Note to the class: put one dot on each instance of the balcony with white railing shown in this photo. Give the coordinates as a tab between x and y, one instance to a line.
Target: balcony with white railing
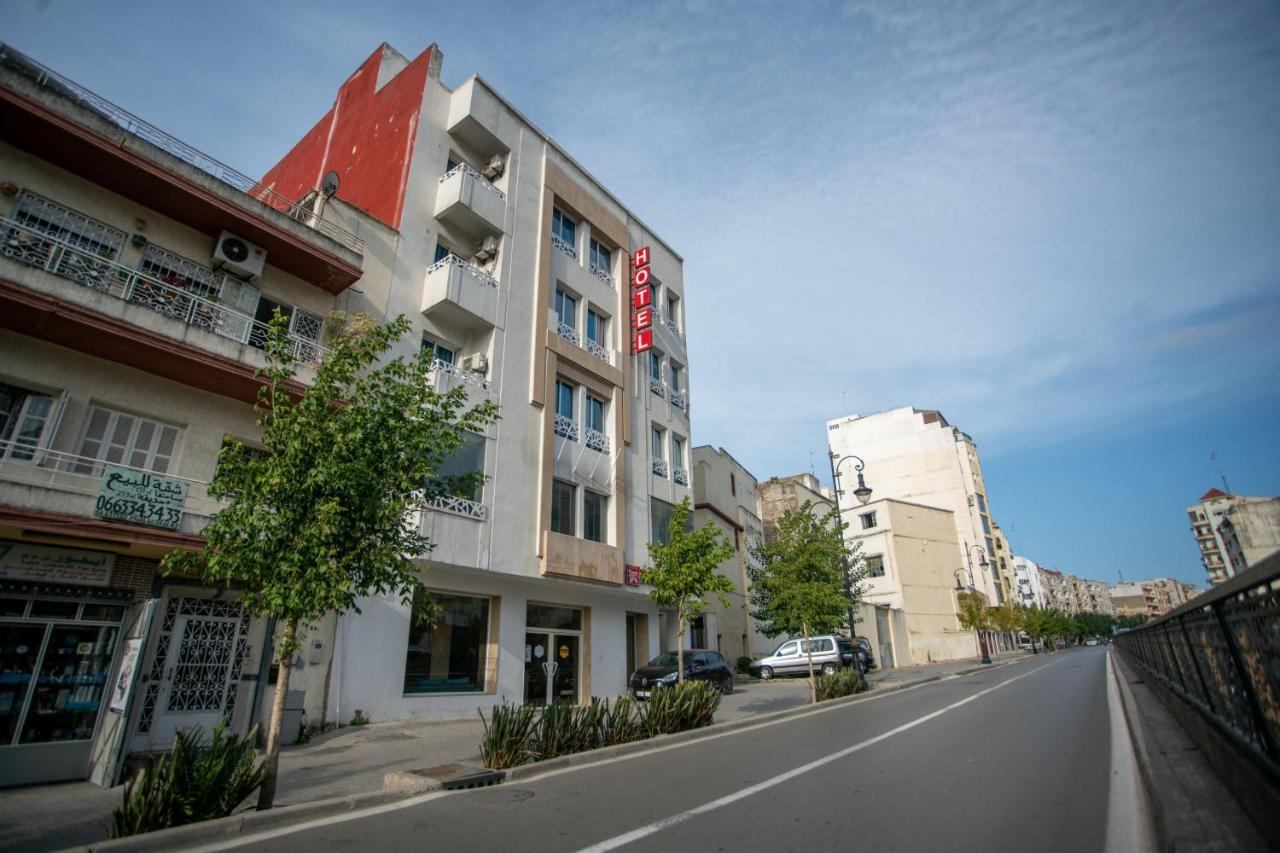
124	293
566	427
598	349
460	294
53	481
569	333
573	336
660	467
596	440
458	506
657	387
119	166
457	527
468	201
603	274
680	476
563	245
680	399
444	377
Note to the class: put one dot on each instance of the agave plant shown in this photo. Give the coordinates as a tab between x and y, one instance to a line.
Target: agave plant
508	736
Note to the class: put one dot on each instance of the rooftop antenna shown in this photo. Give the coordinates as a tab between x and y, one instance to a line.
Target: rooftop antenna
1213	457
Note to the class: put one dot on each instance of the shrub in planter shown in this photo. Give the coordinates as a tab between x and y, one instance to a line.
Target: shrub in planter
199	780
845	682
508	736
622	722
743	665
683	706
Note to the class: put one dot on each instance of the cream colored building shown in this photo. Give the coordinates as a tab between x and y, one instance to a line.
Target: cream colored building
1151	598
724	493
916	455
910	556
779	494
1250	532
136	276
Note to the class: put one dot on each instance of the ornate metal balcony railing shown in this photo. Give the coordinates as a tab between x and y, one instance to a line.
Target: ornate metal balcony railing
51	462
464	169
444	368
54	81
596	440
656	386
28	246
680	476
597	349
457	506
480	276
563	245
602	274
680	399
1220	653
672	325
660	467
569	333
566	428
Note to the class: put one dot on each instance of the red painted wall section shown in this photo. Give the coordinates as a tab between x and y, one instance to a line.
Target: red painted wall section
367	138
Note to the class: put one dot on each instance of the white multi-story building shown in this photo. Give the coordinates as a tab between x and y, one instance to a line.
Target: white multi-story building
1027	578
132	309
1234	531
514	263
915	455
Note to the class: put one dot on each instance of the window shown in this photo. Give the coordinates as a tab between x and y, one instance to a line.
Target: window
660	513
982	503
246	452
657	449
597	327
868	520
553	617
566	309
25	418
673	305
675	378
461	474
564	227
595	414
817	646
875	566
788	648
677	452
566	427
600	257
437	350
450	164
47	217
593	515
562	501
733	490
180	273
442	251
118	438
448	654
698	637
986	525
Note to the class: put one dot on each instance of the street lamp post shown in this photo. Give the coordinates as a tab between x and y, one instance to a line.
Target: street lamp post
863	494
983	563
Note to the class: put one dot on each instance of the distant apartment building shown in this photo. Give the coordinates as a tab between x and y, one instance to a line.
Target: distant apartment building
1029	591
779	494
1252	535
1250	532
1151	598
915	455
1002	565
1072	594
724	493
910	556
136	279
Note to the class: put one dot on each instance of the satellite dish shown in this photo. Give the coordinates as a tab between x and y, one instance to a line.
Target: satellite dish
330	184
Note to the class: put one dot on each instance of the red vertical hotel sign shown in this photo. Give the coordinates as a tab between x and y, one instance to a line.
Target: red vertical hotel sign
641	301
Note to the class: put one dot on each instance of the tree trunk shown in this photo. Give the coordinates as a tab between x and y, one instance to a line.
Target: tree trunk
271	763
813	683
679	643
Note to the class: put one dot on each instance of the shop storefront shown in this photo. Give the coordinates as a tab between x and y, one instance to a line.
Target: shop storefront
59	650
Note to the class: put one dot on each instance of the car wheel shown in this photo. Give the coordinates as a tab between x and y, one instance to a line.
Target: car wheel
726	686
766	672
828	669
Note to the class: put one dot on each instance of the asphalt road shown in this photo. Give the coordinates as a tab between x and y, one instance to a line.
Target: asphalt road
1014	758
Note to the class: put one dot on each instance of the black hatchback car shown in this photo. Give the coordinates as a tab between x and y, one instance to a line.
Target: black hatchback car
699	665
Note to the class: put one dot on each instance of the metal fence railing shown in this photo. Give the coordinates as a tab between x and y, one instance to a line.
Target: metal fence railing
1220	652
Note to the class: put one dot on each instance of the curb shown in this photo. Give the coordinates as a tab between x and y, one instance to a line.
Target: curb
407	787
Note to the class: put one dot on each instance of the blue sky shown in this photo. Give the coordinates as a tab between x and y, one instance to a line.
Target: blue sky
1057	223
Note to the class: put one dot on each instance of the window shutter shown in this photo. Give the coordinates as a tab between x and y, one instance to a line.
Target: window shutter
51	426
165	445
139	450
94	437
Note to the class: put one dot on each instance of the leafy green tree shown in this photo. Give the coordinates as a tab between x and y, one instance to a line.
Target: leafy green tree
798	584
1136	620
326	515
974	616
1006	619
1090	624
684	572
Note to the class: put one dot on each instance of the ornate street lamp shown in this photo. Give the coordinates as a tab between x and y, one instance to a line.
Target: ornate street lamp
983	563
863	494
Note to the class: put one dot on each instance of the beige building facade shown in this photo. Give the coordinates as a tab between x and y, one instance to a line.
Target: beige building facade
1250	532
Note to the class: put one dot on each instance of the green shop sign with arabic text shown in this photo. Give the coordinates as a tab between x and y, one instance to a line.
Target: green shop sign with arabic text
140	498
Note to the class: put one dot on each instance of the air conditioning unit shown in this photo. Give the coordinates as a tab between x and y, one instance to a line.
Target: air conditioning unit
476	363
487	249
494	168
239	257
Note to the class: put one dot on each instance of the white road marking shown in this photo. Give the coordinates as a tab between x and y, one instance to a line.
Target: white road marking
255	837
666	822
1128	826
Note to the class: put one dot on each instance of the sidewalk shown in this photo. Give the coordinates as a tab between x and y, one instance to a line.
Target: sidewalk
353	760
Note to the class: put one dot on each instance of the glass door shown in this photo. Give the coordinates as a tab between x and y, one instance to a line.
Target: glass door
19	651
537	668
564	678
551	668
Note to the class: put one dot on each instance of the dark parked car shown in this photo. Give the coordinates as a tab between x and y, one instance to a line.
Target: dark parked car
699	665
864	649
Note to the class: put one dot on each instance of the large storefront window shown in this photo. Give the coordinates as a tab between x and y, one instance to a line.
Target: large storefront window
447	654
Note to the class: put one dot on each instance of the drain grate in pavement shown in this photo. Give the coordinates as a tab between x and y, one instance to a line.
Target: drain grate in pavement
483	779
